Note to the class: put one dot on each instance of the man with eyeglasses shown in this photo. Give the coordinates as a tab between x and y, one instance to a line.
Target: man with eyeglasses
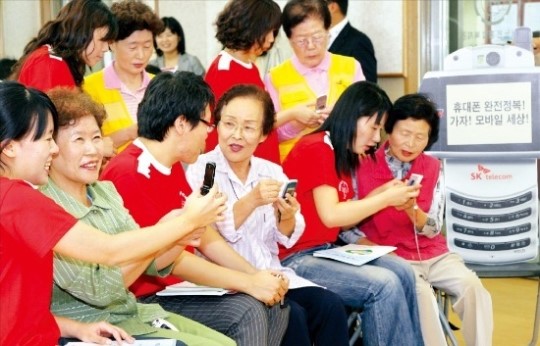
311	73
173	124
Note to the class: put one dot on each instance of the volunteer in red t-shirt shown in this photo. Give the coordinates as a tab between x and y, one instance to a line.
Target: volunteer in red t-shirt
247	29
77	37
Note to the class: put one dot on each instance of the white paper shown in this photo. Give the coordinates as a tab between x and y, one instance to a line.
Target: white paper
355	254
187	288
147	342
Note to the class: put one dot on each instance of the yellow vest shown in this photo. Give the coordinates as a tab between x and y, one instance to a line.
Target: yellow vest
118	117
293	89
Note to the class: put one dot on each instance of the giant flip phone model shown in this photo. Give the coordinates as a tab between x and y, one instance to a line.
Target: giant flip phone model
488	98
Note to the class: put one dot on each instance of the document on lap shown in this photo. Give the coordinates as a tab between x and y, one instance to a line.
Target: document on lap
355	254
187	288
147	342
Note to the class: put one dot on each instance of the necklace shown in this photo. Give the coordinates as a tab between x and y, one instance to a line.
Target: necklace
234	190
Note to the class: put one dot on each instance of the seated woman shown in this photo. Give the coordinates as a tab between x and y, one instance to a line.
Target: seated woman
322	162
259	219
415	227
28	120
87	291
170	47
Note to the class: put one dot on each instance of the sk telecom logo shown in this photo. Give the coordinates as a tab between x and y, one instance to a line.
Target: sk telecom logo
484	173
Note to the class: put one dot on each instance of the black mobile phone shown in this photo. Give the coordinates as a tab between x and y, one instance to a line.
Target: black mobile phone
208	182
321	102
288	188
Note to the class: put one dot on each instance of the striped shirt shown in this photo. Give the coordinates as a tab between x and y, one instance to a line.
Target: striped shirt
258	237
91	292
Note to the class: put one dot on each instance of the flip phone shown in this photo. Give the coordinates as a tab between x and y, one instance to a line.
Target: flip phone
208	182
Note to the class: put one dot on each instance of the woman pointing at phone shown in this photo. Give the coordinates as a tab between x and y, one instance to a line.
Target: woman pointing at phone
259	218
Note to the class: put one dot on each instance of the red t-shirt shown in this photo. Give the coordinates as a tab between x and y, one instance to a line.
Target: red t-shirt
30	226
43	70
224	78
312	162
148	197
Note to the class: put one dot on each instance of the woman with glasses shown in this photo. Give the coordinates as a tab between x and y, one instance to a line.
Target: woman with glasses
312	76
259	220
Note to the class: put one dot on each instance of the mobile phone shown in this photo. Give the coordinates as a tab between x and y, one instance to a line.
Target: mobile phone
288	188
415	179
209	173
321	102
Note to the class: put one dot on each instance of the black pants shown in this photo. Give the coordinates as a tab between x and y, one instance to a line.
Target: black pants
317	317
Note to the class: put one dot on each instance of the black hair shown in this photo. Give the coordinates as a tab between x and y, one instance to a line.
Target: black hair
6	67
343	5
296	12
360	99
416	106
71	33
153	69
249	91
168	96
23	111
176	28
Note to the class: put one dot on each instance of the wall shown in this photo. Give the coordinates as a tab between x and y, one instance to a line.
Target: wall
20	21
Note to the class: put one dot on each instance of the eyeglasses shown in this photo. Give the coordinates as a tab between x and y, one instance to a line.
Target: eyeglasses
246	129
209	126
315	39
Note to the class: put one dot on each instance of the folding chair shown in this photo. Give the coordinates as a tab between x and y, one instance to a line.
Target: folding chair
355	328
444	307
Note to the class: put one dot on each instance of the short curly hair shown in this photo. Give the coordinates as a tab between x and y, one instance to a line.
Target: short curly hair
243	23
72	105
132	16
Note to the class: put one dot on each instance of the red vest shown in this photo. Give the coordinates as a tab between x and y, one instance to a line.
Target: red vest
390	226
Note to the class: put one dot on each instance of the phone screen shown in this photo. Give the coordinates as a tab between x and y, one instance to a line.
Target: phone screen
321	102
208	182
415	179
288	188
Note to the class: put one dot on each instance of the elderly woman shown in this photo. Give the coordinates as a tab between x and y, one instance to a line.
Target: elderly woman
121	86
259	219
87	291
311	73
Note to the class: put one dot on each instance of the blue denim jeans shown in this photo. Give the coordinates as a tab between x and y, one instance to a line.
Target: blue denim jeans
383	289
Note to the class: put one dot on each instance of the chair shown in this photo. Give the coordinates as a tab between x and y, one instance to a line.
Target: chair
444	306
355	327
527	269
